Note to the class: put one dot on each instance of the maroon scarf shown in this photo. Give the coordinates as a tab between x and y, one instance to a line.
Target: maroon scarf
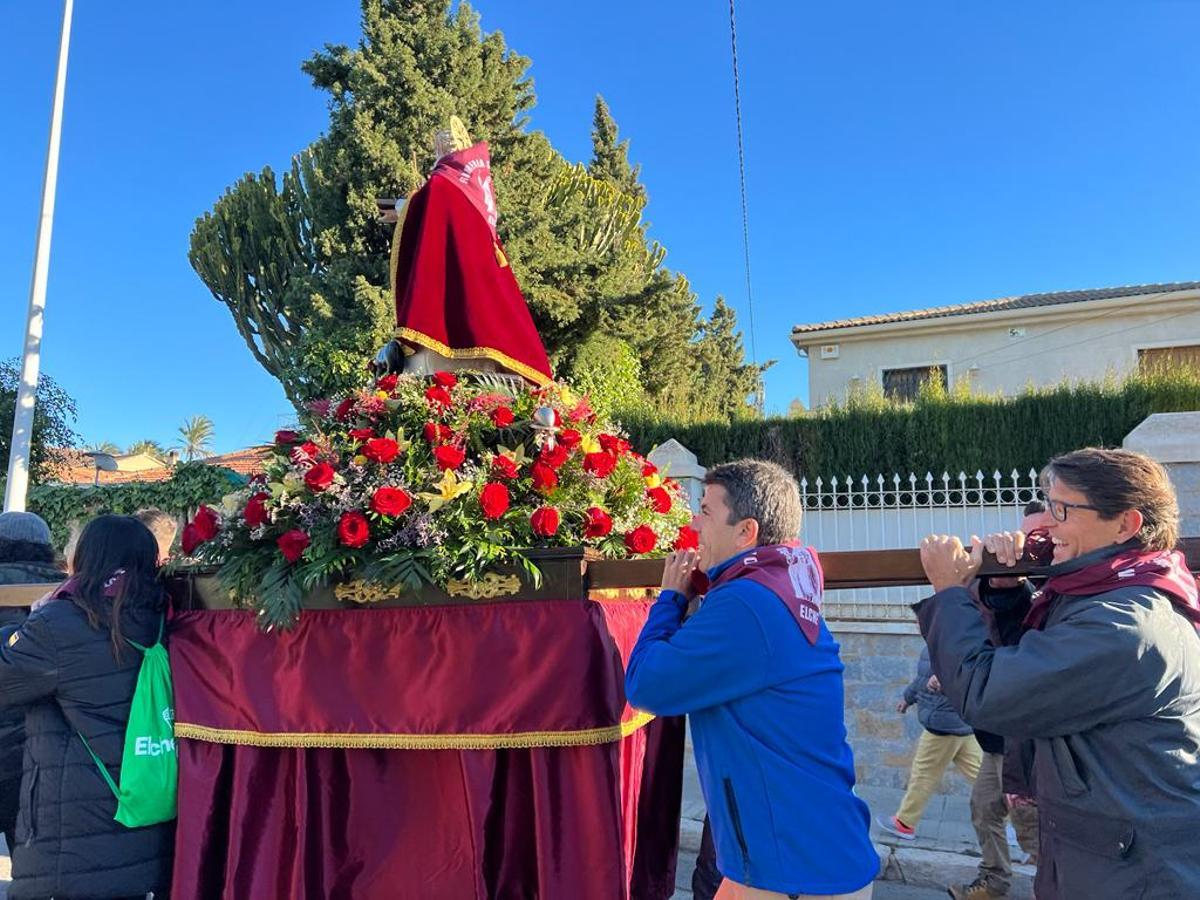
790	572
110	589
470	171
1163	570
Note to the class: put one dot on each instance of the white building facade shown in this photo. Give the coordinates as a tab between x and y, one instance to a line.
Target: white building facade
1005	345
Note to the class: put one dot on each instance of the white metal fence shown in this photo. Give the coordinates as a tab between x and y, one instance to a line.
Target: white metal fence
883	513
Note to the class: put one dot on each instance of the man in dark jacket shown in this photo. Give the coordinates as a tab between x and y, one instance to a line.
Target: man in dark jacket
1004	603
26	557
1105	679
945	739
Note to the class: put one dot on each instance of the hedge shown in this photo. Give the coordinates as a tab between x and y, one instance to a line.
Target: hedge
941	430
192	484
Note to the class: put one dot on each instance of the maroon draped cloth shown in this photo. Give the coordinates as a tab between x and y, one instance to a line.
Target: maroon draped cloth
290	785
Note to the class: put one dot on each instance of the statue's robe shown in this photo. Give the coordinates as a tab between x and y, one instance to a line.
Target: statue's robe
456	295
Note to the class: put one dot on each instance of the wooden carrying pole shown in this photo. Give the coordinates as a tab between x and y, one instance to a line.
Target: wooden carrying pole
843	569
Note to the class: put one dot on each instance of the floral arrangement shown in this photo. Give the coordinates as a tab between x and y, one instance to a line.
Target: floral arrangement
432	481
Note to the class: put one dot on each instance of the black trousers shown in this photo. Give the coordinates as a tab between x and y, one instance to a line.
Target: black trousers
705	877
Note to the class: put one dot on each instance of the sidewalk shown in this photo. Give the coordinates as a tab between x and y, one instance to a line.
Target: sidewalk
944	851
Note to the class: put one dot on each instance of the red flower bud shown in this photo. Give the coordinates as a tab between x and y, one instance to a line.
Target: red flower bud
445	379
545	479
544	521
641	540
597	523
381	450
353	529
688	539
390	501
502	417
256	510
659	499
493	499
319	477
600	464
448	456
292	544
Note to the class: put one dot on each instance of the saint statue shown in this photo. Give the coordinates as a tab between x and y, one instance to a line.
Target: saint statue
458	305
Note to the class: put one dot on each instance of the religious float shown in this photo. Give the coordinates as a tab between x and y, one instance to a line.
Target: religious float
399	656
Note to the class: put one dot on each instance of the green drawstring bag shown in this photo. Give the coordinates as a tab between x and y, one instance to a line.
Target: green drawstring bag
149	767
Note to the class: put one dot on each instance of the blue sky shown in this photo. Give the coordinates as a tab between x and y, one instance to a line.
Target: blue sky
898	156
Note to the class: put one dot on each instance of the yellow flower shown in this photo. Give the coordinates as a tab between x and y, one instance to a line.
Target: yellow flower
589	444
653	481
449	488
517	456
382	395
360	460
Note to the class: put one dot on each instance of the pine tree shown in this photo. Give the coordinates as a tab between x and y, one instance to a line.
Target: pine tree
302	262
610	157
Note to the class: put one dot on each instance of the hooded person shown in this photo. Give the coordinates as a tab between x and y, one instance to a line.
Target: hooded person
26	557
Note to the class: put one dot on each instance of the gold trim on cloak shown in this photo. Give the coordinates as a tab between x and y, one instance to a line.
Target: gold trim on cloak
513	365
353	741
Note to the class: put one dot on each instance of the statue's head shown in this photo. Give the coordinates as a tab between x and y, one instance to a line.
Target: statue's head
452	139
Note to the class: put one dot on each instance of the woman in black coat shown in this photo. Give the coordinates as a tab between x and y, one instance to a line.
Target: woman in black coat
70	667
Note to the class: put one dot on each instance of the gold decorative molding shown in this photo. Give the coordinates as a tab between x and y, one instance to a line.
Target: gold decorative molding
364	592
489	586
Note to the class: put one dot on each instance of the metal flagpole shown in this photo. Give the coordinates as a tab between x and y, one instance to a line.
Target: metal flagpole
17	484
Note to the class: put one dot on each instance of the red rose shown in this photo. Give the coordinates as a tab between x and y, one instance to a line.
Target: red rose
494	500
648	469
319	477
438	396
600	464
688	539
387	383
445	379
437	434
286	436
613	444
544	521
256	510
596	523
361	434
381	450
292	544
570	438
659	499
390	501
343	409
545	479
502	417
556	457
353	529
503	467
206	523
448	456
641	540
191	539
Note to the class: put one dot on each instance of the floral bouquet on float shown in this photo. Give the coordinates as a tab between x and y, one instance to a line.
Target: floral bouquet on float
434	482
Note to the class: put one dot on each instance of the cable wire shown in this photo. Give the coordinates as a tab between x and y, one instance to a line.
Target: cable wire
737	105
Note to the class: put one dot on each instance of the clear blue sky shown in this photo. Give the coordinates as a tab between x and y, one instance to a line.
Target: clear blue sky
898	156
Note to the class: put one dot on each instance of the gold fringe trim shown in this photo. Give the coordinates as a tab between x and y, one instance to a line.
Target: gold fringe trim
517	741
504	359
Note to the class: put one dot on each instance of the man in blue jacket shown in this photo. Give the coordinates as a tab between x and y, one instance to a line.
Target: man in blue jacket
759	673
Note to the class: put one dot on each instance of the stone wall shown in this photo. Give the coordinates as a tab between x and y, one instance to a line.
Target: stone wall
880	660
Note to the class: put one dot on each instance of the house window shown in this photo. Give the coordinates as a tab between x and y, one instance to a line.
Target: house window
1159	359
904	384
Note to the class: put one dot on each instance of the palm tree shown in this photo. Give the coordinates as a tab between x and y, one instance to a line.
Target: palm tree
150	448
104	447
195	438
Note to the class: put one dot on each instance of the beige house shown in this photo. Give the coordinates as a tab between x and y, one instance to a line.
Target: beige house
1006	344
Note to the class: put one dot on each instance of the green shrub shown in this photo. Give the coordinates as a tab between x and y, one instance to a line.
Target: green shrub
192	484
942	430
